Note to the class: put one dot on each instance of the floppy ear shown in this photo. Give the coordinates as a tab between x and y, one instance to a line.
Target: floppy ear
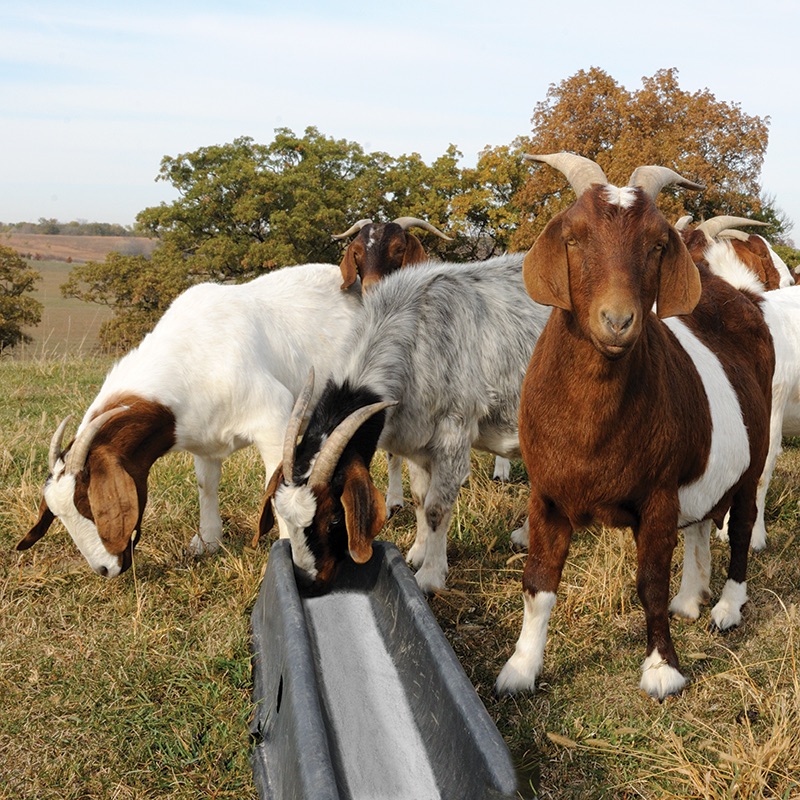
267	517
545	269
678	281
364	511
39	529
114	501
348	268
415	252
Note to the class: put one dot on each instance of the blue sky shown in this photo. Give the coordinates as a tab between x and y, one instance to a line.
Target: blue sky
94	94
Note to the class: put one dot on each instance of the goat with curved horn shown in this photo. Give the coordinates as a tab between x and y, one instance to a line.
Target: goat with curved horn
294	425
55	451
334	446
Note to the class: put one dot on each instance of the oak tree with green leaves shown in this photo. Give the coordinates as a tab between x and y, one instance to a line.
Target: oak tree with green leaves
17	307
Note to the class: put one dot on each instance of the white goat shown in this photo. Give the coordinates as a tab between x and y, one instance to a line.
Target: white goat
220	371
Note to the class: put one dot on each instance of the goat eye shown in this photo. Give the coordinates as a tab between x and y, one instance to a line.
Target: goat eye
571	241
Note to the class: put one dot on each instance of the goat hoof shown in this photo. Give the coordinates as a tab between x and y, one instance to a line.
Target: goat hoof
199	547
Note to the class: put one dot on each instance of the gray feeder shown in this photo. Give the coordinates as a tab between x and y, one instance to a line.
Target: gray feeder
360	697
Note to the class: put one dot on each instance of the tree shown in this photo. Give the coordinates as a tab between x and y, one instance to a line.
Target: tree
17	307
486	210
138	290
709	141
246	208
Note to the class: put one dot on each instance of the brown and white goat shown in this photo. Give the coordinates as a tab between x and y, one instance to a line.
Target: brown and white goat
379	248
633	420
747	261
220	371
720	243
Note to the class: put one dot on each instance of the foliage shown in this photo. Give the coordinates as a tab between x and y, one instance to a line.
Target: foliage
245	208
17	307
709	141
487	210
136	288
789	254
53	227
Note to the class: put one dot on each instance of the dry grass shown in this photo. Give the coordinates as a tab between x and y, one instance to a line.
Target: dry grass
139	687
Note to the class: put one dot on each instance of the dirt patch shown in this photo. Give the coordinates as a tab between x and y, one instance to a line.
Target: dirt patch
76	249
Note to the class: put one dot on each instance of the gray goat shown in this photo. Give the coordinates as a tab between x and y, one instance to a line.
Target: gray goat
435	368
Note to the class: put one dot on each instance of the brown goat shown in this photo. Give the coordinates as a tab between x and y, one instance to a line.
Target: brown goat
380	248
631	421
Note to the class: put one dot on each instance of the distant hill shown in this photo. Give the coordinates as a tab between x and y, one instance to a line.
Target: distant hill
75	249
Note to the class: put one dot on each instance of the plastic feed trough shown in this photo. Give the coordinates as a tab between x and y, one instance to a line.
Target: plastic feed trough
360	697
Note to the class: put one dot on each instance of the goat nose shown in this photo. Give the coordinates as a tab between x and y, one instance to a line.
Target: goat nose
618	322
102	571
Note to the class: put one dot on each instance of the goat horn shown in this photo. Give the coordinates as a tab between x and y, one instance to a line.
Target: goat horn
652	179
733	233
293	427
412	222
581	172
55	443
333	448
354	229
681	224
714	226
76	458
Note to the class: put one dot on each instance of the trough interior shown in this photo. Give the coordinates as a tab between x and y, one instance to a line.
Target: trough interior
397	715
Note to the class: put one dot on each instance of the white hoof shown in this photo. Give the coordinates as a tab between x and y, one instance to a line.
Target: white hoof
430	579
198	546
502	469
688	607
758	538
392	507
520	536
517	675
727	613
659	679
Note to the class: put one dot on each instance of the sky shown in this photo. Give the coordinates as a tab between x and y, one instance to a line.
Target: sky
94	94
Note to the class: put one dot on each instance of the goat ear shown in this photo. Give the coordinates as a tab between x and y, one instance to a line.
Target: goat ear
348	268
46	517
364	511
267	517
114	501
545	269
679	280
415	252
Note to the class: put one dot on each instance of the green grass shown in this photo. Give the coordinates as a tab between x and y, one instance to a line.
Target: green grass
139	687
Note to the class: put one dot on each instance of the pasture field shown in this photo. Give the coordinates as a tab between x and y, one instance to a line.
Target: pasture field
139	687
68	326
46	247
